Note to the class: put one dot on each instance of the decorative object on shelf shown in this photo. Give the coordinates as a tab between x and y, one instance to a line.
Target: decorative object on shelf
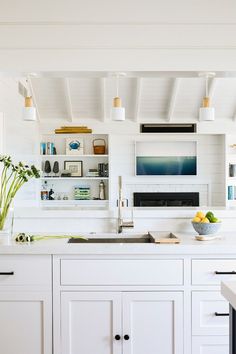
56	168
233	146
13	177
99	148
82	192
47	148
117	111
47	168
206	112
28	111
174	158
92	172
73	130
232	170
74	167
51	194
102	190
103	169
66	173
44	191
74	146
230	192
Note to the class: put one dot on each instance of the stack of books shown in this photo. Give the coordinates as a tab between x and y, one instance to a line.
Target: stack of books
83	129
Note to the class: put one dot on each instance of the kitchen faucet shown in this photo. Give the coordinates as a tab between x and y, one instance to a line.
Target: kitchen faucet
121	223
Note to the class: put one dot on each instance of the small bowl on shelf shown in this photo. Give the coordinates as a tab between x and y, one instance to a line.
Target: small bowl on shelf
206	228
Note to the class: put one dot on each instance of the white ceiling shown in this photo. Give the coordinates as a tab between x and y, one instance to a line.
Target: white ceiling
146	99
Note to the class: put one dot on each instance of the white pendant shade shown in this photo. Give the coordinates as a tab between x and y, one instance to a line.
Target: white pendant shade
207	114
29	114
117	112
29	111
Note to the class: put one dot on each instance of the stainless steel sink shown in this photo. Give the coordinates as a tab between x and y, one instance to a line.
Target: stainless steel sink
115	238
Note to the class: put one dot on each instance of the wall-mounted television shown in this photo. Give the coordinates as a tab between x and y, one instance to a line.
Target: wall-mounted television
166	158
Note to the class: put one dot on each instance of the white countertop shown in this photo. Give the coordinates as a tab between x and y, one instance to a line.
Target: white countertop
188	246
228	290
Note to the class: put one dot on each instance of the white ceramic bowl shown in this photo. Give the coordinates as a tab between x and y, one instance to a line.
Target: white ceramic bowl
206	228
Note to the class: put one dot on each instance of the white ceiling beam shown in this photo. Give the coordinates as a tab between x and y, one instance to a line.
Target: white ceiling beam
172	102
33	96
68	100
103	98
138	98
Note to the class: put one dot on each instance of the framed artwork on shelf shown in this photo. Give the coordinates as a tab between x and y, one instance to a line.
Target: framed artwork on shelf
166	158
74	146
74	167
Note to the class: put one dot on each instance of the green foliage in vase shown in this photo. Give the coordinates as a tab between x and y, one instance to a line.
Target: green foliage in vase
13	177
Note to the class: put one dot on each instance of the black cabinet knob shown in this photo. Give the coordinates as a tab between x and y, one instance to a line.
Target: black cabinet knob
126	337
117	337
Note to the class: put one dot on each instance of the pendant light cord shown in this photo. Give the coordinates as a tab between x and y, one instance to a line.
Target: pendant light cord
207	82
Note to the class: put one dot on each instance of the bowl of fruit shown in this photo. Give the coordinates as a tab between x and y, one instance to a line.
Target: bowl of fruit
206	224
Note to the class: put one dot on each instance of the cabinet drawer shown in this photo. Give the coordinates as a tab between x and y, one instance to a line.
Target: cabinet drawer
25	270
209	313
121	272
210	345
212	271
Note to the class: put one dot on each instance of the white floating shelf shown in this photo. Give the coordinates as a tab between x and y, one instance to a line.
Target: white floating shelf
72	178
69	156
73	203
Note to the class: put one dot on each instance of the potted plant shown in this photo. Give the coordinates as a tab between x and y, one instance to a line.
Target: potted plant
13	177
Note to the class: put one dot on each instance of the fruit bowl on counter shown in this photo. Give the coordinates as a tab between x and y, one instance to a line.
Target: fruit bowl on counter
206	224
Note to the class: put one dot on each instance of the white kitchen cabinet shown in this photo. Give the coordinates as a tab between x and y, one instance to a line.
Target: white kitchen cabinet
154	322
25	323
89	323
145	322
25	304
210	345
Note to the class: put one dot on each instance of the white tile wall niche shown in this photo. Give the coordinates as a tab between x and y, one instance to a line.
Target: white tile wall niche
209	181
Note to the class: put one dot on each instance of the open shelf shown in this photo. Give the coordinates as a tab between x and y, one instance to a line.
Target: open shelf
72	178
73	156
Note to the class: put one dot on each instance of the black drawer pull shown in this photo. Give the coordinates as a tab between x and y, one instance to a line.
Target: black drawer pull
6	273
221	314
223	273
117	337
126	337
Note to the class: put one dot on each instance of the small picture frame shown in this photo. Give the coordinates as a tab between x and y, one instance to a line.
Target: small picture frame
74	167
74	146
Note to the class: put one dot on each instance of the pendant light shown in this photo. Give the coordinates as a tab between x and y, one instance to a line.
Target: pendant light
29	111
117	111
206	112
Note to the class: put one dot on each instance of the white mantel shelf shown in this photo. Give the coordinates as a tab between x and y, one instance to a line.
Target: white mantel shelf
188	246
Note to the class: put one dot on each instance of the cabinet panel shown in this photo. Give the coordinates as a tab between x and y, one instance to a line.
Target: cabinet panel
204	306
28	270
90	322
25	323
154	323
210	345
121	272
204	271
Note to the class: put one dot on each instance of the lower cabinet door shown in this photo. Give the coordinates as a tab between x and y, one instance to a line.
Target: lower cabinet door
25	323
210	345
153	323
91	323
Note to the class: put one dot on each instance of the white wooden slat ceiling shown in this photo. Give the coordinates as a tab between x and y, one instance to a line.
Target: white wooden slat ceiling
145	99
